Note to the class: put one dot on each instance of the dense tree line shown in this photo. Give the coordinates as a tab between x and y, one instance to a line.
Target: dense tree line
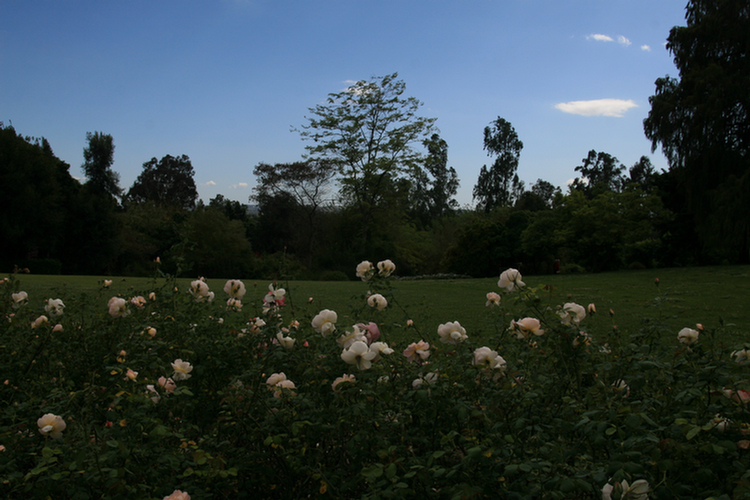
376	183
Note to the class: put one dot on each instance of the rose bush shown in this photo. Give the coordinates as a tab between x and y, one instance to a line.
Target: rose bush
264	402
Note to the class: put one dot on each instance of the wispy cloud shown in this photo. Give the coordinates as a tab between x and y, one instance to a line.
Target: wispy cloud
597	107
240	185
599	38
623	41
209	183
645	48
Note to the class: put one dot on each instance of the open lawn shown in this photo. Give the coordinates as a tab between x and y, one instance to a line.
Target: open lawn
684	296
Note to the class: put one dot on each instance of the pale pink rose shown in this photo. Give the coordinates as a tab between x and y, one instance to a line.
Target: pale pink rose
287	385
510	279
132	375
118	307
372	332
54	307
275	378
19	299
571	313
386	268
348	338
592	308
41	320
525	326
688	336
380	349
181	369
377	301
235	289
107	283
138	302
325	322
167	384
151	331
493	299
51	425
177	494
365	270
285	342
416	351
452	333
152	296
199	290
344	378
359	354
58	328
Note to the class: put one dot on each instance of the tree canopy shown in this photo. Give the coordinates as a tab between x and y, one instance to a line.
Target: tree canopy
367	132
168	181
496	186
99	155
702	121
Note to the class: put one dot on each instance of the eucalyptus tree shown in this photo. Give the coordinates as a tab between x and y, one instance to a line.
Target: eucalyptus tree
367	132
496	186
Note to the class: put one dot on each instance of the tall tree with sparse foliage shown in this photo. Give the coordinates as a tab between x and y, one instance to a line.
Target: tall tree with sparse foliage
367	132
435	186
496	185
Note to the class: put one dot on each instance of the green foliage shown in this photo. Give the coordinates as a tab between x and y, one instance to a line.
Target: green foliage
496	185
568	411
99	155
701	120
167	182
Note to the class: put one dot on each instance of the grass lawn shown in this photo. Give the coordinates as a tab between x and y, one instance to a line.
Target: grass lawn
684	297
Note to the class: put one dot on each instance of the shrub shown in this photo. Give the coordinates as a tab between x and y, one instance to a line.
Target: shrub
199	392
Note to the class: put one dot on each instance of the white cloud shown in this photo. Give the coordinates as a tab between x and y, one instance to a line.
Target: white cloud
623	41
599	38
645	48
597	107
210	183
241	185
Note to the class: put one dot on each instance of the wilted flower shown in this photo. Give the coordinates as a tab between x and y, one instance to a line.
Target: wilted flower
571	313
152	296
177	494
365	270
41	320
181	369
19	299
54	307
637	491
719	423
235	289
342	379
234	304
324	322
138	302
380	349
377	301
386	268
622	387
359	354
592	308
285	342
429	379
510	279
131	375
452	333
493	299
523	327
418	350
118	307
742	356
688	336
155	396
51	425
348	338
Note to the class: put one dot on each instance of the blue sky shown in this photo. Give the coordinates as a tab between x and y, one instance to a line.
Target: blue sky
225	82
